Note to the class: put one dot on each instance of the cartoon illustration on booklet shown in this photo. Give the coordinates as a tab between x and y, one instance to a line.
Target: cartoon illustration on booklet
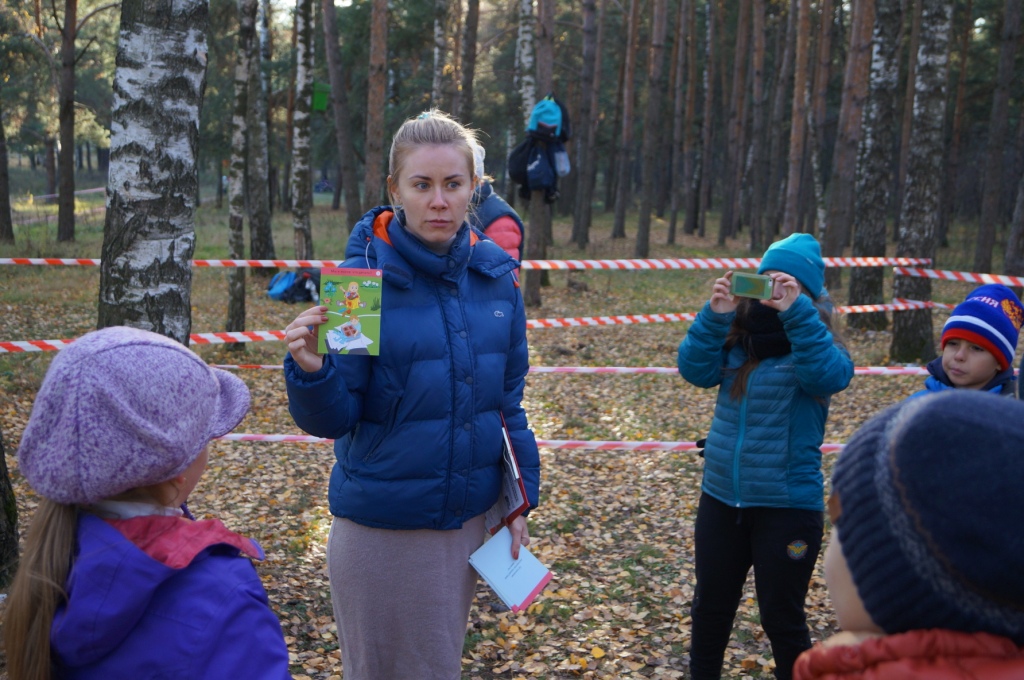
352	298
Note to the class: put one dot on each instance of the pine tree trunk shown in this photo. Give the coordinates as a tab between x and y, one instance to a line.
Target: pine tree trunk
953	161
302	183
689	134
1014	264
798	119
874	177
240	153
912	330
652	129
844	157
623	193
6	217
777	146
468	62
376	84
540	209
8	522
991	200
703	165
66	116
679	179
734	131
149	233
908	111
589	79
342	117
757	171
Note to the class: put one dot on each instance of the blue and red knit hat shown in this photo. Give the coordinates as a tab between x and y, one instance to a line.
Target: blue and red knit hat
990	317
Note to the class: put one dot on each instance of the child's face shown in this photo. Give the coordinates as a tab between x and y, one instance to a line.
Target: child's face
968	365
850	612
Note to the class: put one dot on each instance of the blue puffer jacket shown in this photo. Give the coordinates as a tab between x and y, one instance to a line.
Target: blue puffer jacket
764	450
418	428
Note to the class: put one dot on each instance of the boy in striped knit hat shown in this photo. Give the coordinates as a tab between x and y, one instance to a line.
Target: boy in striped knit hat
979	341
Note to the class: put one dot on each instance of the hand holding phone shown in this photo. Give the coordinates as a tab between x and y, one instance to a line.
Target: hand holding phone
756	286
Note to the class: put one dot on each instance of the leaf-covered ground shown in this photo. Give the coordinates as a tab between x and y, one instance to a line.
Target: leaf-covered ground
616	527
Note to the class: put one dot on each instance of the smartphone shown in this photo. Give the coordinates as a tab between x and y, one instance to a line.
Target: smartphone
757	286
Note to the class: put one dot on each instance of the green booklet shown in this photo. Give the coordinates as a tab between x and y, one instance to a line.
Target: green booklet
352	298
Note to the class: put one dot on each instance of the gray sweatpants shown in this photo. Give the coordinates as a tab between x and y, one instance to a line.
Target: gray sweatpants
401	599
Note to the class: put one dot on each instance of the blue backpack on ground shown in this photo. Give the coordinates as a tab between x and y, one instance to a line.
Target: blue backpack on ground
279	284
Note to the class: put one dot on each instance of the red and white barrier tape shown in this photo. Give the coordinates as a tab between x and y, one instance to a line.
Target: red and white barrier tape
663	264
960	276
625	370
542	443
917	304
577	322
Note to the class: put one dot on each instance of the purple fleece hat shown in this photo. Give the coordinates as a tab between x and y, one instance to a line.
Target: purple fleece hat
121	408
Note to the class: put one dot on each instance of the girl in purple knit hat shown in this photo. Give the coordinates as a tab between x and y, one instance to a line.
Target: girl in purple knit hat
114	581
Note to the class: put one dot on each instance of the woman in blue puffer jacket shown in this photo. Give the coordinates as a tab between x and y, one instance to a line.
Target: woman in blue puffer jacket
776	364
417	429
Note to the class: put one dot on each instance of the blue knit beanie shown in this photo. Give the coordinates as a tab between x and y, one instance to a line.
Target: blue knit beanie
122	408
929	510
989	317
798	255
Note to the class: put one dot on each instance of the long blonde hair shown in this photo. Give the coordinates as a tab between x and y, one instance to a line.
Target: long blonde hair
38	589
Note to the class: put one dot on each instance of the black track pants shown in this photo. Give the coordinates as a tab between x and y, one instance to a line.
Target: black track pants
782	545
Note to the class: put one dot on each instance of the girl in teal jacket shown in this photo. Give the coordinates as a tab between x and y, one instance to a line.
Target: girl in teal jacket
776	363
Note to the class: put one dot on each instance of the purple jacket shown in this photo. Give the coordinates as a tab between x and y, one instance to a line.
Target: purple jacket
164	597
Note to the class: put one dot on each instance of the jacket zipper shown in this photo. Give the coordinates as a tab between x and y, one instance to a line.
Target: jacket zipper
742	433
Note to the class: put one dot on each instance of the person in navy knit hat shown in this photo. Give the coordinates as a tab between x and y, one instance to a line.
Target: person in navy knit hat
925	558
979	341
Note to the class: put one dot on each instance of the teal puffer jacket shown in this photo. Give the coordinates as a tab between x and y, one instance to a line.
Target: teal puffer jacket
765	449
417	429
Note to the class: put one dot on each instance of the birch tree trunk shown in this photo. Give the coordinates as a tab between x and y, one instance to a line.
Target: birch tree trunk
240	120
589	79
266	55
149	232
257	188
376	89
440	53
342	118
874	176
652	129
991	212
525	50
912	330
301	176
908	111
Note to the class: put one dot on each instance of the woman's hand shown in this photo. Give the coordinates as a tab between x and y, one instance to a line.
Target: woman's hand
722	300
785	290
520	535
300	335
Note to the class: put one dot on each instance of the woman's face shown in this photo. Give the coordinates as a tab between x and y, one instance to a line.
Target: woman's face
434	187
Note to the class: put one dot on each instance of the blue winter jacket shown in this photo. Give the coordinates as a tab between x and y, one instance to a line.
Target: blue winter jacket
1003	384
765	449
417	429
130	614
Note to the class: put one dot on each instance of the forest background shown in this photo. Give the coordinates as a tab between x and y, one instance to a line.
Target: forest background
701	128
